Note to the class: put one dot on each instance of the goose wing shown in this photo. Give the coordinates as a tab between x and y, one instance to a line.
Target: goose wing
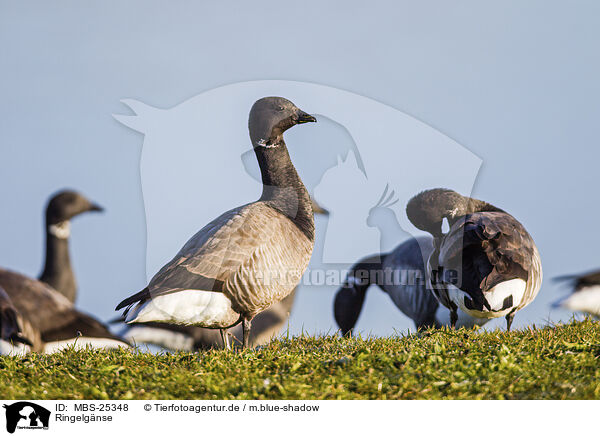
489	248
35	301
245	249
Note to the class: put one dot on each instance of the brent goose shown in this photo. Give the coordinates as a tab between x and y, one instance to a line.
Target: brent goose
586	293
51	316
487	264
61	208
248	258
400	274
265	326
13	340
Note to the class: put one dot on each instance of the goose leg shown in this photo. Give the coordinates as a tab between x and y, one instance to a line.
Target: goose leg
225	339
509	320
246	327
453	318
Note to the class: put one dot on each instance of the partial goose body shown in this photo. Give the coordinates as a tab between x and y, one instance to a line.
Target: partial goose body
248	258
402	275
487	265
265	326
246	249
585	296
412	295
13	340
49	319
58	272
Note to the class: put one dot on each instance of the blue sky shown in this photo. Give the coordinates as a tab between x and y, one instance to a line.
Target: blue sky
514	83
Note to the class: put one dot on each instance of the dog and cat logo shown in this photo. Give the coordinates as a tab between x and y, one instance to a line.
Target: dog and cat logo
26	415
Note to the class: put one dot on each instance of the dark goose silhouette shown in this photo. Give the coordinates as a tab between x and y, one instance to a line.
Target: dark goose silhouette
486	265
248	258
265	326
402	275
62	207
585	296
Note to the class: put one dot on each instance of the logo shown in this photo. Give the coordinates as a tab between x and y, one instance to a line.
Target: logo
26	415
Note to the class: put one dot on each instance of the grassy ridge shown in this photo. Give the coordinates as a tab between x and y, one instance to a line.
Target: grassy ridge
552	363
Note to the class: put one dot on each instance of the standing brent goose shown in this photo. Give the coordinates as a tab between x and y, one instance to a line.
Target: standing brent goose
62	207
248	258
400	274
586	293
265	326
487	264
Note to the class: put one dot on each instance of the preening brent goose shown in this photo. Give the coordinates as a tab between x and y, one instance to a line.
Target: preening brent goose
486	265
62	207
586	293
248	258
402	275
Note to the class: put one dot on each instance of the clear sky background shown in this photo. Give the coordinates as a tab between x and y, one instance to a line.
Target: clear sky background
515	83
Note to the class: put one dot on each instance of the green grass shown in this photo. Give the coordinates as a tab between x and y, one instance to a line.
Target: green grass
559	362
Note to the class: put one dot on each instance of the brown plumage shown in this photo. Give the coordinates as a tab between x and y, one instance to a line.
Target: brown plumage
265	325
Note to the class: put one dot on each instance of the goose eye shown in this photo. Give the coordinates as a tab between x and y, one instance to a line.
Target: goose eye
279	108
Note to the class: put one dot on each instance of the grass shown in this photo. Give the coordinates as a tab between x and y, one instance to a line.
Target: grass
559	362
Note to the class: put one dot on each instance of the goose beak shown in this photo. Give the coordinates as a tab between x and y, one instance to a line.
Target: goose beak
303	117
96	208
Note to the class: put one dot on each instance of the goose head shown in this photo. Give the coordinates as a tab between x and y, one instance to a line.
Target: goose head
427	210
67	204
270	117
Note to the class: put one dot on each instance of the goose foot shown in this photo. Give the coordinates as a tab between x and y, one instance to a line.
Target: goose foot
509	320
247	324
453	318
225	339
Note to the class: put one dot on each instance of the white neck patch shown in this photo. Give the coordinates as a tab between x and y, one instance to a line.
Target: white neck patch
263	143
61	230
